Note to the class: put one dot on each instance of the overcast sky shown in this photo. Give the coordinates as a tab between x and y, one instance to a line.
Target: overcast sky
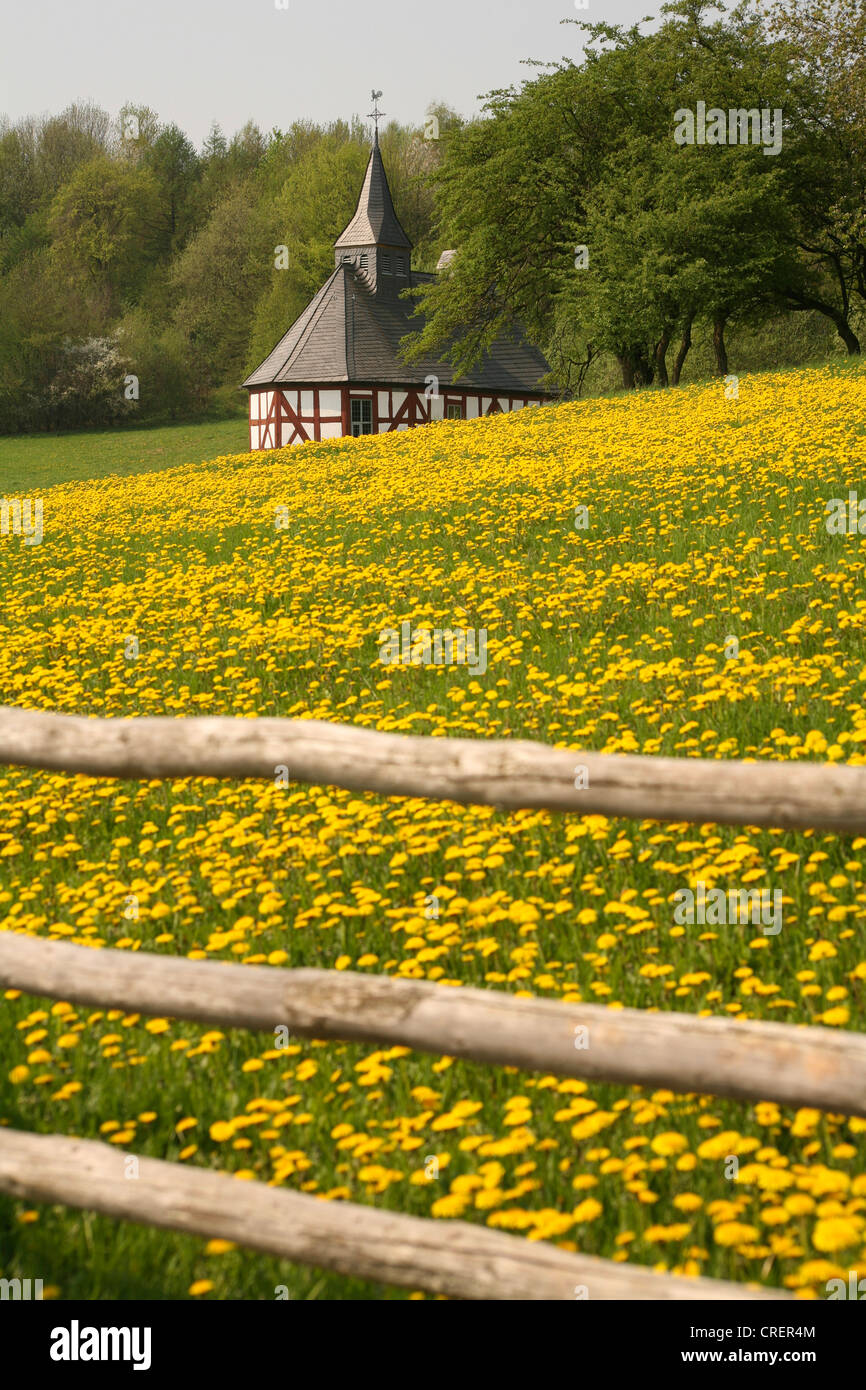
198	61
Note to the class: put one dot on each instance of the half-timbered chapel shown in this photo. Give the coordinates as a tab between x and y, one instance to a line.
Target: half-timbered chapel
338	370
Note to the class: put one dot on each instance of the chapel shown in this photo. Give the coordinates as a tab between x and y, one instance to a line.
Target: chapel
338	370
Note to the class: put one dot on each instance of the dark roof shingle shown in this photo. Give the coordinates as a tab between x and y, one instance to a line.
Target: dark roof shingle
349	334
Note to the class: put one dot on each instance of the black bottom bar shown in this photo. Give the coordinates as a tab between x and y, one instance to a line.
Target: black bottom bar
57	1340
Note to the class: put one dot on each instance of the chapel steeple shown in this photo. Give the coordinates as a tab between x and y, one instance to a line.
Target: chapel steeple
374	242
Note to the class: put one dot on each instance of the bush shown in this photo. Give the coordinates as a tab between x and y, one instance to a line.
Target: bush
90	387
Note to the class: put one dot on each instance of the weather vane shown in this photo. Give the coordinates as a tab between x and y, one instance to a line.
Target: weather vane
376	113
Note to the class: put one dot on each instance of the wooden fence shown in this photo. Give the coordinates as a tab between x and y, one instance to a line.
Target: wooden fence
803	1066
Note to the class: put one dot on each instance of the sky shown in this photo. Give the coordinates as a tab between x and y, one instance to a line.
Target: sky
230	61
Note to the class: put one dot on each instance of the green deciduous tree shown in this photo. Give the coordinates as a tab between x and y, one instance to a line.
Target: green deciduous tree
104	226
216	282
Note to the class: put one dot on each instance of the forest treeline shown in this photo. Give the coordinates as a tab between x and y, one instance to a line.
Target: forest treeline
574	206
125	252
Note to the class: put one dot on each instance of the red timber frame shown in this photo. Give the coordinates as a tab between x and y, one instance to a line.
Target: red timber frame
281	416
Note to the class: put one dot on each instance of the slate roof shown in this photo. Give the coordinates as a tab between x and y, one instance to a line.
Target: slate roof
349	334
351	330
375	222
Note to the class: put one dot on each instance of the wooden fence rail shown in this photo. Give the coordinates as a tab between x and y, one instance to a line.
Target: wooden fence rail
505	773
802	1066
448	1257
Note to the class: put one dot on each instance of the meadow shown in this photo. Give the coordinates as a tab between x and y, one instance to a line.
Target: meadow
706	522
36	461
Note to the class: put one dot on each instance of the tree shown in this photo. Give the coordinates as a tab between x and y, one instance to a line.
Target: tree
103	225
508	190
174	164
225	162
825	48
136	129
216	282
158	354
65	142
37	315
19	189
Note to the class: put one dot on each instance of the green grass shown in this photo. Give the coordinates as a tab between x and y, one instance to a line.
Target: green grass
32	462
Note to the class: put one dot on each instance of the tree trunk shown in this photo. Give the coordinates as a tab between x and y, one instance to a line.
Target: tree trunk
719	345
635	367
659	355
643	369
682	351
802	302
626	367
849	338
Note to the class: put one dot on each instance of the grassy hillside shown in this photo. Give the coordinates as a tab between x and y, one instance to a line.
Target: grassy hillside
705	522
29	463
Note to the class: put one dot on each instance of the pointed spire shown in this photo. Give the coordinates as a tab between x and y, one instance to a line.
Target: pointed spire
375	222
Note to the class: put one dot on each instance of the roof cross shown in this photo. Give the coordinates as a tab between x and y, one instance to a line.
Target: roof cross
376	113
